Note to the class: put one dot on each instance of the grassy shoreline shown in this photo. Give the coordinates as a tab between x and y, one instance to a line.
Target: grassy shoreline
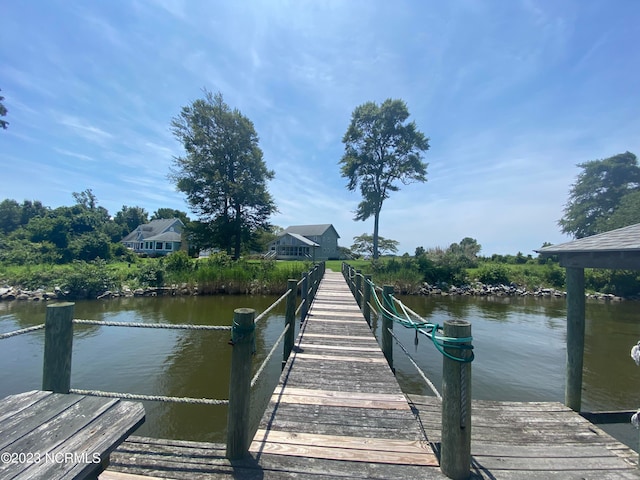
220	274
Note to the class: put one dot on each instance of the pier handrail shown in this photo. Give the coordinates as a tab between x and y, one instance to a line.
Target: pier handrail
453	340
58	348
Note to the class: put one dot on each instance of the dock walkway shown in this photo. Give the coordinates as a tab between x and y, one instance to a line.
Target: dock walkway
338	413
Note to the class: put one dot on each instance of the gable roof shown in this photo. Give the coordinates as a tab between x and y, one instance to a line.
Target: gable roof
310	230
151	229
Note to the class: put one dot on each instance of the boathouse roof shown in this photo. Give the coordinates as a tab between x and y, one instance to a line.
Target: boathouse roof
619	248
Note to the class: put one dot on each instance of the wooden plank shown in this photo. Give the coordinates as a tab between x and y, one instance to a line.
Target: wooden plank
109	475
343	441
344	337
340	402
339	358
339	347
355	449
340	394
323	319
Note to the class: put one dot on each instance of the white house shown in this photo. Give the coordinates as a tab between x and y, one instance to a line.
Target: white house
158	237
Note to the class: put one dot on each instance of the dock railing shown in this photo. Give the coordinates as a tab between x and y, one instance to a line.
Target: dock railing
453	340
58	349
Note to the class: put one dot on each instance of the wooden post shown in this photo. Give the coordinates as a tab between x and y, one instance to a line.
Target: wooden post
58	348
575	337
366	307
358	288
290	319
455	453
304	294
387	324
242	337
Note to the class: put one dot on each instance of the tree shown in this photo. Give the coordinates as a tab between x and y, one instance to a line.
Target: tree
363	244
3	113
598	192
130	218
223	173
627	212
381	149
169	213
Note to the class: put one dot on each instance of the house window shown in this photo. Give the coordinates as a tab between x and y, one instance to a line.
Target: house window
167	246
158	245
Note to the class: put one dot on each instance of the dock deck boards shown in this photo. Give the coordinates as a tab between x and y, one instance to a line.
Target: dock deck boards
338	413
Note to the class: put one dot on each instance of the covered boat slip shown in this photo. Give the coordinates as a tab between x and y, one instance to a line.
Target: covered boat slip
338	413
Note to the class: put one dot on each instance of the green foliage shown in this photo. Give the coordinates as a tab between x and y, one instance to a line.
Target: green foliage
493	274
152	274
129	218
363	245
88	279
554	275
597	194
178	262
381	149
624	283
223	173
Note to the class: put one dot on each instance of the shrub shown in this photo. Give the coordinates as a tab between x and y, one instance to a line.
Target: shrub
493	274
88	279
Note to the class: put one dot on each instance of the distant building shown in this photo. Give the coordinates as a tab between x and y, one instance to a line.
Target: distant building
158	237
305	242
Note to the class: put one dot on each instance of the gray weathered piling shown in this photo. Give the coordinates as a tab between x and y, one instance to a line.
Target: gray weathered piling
366	300
455	458
305	299
358	288
290	319
58	348
575	337
387	324
242	337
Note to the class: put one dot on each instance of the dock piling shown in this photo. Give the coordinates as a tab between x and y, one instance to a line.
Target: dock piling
455	457
242	339
58	348
387	324
290	319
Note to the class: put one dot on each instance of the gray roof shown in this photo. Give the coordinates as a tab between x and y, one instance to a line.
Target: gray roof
165	237
621	239
310	230
618	248
304	240
151	229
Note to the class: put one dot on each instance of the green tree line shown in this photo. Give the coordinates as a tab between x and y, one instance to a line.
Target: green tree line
32	233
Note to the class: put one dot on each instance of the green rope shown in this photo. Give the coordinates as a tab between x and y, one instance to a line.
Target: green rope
429	330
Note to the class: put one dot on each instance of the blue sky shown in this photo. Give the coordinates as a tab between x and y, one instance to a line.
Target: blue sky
512	94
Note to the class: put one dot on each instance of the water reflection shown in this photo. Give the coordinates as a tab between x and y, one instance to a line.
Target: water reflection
519	342
183	363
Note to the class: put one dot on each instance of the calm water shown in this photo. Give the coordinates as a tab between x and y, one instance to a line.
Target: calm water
519	345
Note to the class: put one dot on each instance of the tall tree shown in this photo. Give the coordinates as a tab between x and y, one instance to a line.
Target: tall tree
3	113
381	149
223	173
598	192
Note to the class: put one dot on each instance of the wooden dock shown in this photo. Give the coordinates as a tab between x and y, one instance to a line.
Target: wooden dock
338	413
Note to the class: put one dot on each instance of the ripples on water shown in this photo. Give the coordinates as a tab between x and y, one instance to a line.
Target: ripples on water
519	346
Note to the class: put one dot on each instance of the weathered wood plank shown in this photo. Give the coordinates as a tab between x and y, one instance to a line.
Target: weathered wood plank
385	397
339	358
349	348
